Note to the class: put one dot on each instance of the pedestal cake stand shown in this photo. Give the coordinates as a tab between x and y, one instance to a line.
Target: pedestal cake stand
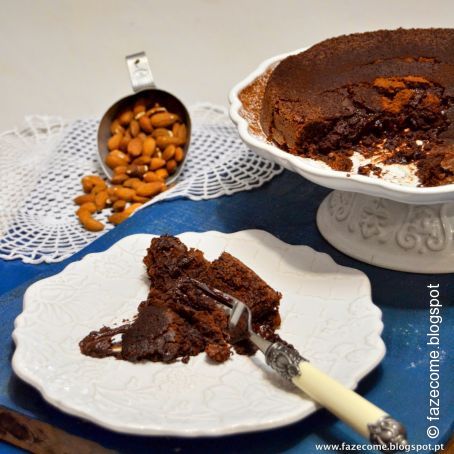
381	222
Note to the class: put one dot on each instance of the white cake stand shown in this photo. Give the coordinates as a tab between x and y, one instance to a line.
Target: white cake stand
383	223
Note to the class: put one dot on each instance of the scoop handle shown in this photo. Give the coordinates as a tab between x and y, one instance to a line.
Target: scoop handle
363	416
139	72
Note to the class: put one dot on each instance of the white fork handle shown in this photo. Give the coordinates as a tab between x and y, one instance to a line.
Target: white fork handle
363	416
347	405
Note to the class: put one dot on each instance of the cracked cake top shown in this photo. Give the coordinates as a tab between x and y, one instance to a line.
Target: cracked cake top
387	94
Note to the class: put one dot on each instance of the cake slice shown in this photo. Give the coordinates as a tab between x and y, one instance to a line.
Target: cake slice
168	259
177	320
160	334
230	275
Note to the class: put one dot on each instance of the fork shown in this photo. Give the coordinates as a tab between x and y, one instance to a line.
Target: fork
360	414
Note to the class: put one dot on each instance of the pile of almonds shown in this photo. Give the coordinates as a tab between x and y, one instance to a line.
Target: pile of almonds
146	147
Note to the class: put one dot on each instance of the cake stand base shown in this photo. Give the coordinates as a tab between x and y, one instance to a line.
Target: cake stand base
394	235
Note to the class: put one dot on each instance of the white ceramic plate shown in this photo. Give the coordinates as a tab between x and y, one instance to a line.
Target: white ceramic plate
327	313
318	172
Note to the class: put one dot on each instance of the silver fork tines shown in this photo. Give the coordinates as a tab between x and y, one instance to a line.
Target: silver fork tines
239	319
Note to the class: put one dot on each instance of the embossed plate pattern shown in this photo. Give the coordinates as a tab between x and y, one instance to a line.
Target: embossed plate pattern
326	309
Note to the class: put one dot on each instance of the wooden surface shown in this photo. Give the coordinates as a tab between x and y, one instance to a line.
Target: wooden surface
41	438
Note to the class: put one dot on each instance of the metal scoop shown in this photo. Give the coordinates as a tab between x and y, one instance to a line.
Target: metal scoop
144	88
360	414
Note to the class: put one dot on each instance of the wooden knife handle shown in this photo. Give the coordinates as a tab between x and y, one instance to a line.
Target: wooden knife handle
42	438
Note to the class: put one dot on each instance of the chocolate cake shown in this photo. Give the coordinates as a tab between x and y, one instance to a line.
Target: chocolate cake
387	94
177	320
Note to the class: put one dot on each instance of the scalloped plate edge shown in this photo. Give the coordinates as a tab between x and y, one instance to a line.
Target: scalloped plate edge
27	376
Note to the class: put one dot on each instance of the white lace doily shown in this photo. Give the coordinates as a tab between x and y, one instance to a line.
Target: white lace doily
42	165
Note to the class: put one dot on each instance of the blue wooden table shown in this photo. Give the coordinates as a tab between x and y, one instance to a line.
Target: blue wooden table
286	208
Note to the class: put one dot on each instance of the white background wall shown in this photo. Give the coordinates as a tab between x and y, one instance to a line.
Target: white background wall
67	57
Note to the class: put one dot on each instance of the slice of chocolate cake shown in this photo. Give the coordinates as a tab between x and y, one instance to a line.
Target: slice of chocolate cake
160	334
177	320
168	259
230	275
387	94
157	334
